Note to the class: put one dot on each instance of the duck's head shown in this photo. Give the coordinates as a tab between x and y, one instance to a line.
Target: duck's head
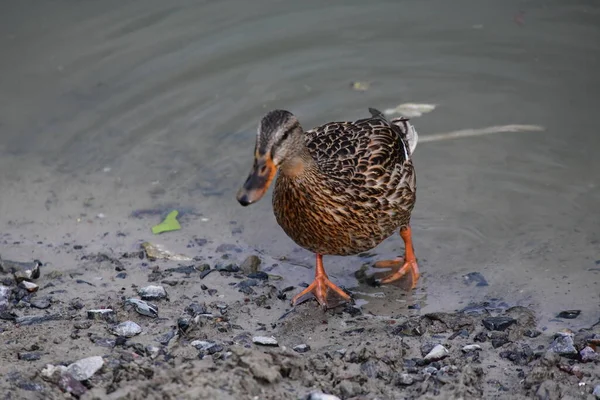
280	139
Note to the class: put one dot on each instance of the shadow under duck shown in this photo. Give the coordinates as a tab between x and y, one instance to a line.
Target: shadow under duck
342	189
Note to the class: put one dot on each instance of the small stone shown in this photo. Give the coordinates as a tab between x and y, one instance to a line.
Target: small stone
437	353
82	324
195	309
103	341
596	391
121	275
247	290
471	347
321	396
5	292
41	303
77	303
103	314
260	275
476	278
499	341
301	348
85	368
430	370
68	384
29	356
208	347
481	337
144	308
346	389
265	340
153	293
52	372
588	354
126	329
498	323
532	333
228	268
563	345
37	319
152	351
29	286
166	338
247	283
405	380
569	314
204	273
250	265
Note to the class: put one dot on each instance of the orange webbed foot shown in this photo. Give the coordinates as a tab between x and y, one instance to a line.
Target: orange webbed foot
322	287
401	268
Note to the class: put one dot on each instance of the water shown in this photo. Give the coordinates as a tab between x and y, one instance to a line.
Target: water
139	103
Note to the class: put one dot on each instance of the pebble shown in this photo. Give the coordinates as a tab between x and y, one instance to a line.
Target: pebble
29	286
471	347
144	308
29	356
596	391
569	314
85	368
126	329
475	277
5	292
321	396
405	380
228	268
204	273
437	353
209	347
563	345
153	292
103	314
301	348
21	270
250	265
195	309
498	323
265	340
260	275
588	354
82	324
41	303
68	384
37	319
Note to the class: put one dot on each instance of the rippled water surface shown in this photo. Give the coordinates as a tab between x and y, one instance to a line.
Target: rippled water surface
141	103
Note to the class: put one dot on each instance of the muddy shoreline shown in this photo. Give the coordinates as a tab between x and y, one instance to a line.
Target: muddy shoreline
219	325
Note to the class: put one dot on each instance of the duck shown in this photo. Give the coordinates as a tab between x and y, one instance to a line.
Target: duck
341	189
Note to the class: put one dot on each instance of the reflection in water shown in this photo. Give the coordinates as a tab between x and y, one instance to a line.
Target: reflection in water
145	103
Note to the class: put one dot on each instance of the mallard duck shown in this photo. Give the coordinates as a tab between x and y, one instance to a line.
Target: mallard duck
342	188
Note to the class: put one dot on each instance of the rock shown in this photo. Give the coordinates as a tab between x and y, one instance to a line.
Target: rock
21	270
165	338
82	324
247	283
126	329
260	275
52	372
152	351
437	353
144	308
41	303
29	356
301	348
37	319
195	309
498	323
404	380
154	252
206	346
569	314
153	292
5	292
321	396
265	340
204	273
250	265
29	286
68	384
588	354
475	277
563	345
596	391
85	368
346	389
228	268
103	314
532	333
471	347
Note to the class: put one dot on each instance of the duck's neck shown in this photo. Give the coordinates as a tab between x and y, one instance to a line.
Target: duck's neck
298	164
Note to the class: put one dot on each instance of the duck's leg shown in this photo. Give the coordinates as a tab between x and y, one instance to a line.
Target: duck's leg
321	286
407	265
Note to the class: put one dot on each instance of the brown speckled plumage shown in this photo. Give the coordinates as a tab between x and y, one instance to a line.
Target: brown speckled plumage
357	188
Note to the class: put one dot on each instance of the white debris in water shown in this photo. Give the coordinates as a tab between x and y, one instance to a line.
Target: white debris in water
265	340
411	110
437	353
471	347
480	132
85	368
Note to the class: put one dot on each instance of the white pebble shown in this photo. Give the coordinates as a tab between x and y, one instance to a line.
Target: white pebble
85	368
437	353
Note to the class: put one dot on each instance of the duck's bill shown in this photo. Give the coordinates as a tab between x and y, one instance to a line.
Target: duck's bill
258	182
